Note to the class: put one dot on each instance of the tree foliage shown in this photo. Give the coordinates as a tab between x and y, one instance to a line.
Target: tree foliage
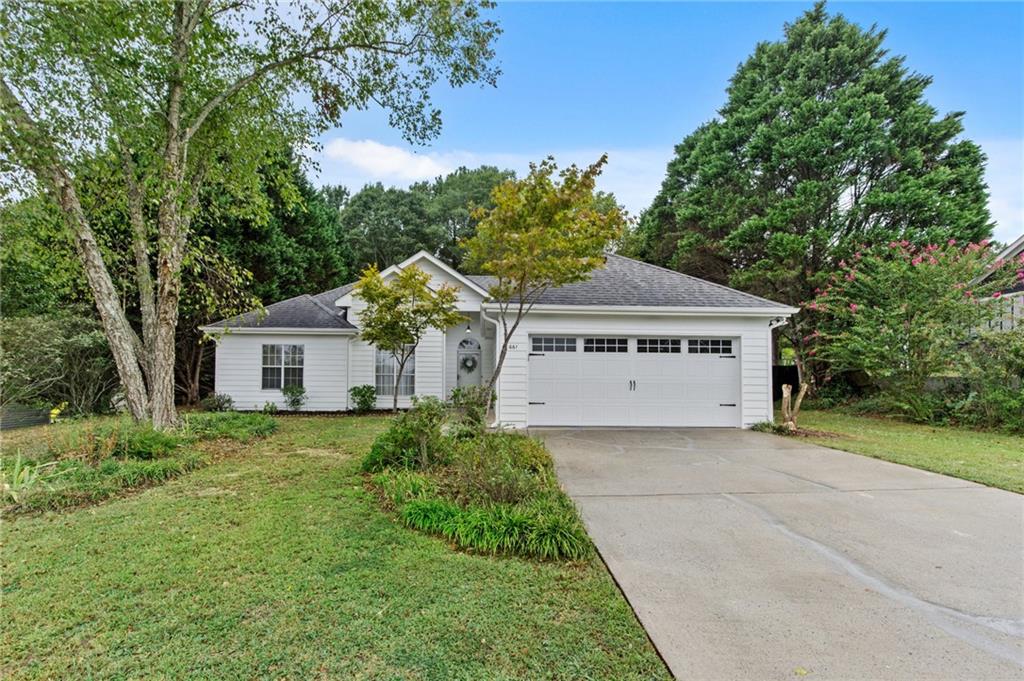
400	310
826	142
547	229
188	92
384	226
902	313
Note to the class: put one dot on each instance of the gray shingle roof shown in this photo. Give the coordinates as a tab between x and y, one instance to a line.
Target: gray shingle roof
300	312
622	281
627	282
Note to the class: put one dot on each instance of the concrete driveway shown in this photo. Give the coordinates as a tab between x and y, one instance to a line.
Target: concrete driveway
751	556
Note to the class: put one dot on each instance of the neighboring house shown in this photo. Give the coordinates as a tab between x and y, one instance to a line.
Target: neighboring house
1011	303
635	345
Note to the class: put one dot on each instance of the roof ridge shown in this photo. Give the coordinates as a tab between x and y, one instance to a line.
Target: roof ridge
690	276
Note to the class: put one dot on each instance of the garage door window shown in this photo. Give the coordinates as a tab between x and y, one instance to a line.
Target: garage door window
554	344
659	345
605	345
710	346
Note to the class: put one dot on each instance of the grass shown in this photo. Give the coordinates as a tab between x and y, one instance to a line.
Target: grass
276	562
81	462
993	459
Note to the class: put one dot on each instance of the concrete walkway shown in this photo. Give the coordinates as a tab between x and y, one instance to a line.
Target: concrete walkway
751	556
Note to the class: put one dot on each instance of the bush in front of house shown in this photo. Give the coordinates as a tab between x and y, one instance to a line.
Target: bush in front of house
494	492
294	397
364	398
217	402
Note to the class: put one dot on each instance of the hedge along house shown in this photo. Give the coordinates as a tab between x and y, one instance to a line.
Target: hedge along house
635	345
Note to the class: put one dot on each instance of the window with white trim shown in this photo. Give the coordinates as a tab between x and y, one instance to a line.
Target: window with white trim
552	344
384	376
659	345
709	346
605	345
283	366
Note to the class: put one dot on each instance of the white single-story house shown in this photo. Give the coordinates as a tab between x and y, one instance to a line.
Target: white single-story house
635	345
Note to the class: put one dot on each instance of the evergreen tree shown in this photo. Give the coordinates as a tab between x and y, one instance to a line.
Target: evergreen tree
825	143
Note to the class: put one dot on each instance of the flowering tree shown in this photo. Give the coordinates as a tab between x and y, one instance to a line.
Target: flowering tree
902	313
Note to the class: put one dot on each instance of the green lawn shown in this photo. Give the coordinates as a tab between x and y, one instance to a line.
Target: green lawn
989	458
275	562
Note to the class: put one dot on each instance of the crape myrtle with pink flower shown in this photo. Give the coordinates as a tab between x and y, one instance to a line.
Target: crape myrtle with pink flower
902	313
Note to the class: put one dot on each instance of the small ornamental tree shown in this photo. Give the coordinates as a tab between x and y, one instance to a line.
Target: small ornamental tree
545	230
399	312
902	313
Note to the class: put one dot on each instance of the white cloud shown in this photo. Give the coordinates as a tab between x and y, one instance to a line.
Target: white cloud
382	162
1005	178
632	175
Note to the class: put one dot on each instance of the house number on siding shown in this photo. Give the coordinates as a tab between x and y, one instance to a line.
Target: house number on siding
513	346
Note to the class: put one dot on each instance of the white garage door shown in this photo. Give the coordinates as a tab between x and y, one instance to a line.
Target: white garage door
622	381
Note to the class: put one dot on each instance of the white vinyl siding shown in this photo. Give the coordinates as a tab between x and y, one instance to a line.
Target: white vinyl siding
239	366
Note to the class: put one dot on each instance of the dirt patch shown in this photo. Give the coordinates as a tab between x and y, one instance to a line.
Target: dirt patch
323	453
213	492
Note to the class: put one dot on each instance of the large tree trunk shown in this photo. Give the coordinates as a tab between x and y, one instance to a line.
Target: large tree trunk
120	335
41	158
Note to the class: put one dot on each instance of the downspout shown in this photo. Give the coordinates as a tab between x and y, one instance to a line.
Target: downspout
494	360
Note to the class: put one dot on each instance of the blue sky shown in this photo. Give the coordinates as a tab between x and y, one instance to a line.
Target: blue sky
633	79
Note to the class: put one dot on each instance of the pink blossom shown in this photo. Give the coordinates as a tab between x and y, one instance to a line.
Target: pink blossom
951	242
853	307
969	294
842	263
997	294
904	243
857	255
984	242
893	244
812	306
916	261
812	352
1020	274
933	261
851	276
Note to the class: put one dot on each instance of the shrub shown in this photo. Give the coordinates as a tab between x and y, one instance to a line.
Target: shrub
499	468
470	405
232	425
294	396
53	359
217	402
364	398
269	408
122	439
412	440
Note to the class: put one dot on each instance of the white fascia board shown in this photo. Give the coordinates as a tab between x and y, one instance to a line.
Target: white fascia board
659	310
277	331
423	255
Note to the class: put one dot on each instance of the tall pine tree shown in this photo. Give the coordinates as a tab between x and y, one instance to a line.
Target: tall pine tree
825	143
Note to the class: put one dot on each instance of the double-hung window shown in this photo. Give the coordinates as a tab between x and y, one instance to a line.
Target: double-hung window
282	366
387	367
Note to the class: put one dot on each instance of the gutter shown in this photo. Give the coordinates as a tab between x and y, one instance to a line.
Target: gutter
655	310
